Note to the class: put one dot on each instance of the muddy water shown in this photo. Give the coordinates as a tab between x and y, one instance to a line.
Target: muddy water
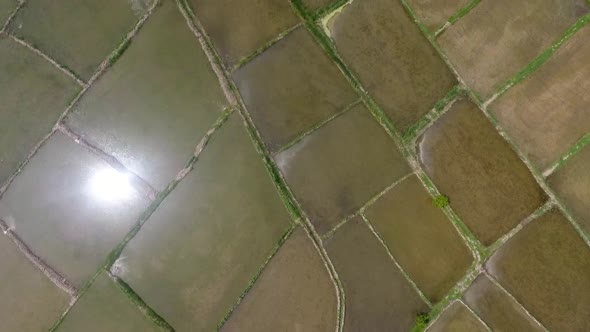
572	186
546	267
393	60
162	85
209	237
498	38
378	297
34	94
292	87
59	207
435	13
24	289
6	8
548	112
421	238
294	293
489	187
238	30
496	308
104	307
77	34
457	318
339	167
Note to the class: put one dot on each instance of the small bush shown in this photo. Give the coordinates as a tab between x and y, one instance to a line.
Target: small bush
440	201
422	320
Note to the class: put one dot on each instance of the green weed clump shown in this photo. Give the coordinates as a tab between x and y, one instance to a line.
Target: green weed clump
422	320
440	201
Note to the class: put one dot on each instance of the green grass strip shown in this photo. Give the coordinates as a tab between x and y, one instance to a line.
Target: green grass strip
455	293
115	253
216	59
455	17
275	174
266	46
330	8
377	112
423	319
316	127
543	57
471	240
571	152
275	250
284	193
414	17
81	293
463	11
326	43
489	251
414	130
143	307
126	41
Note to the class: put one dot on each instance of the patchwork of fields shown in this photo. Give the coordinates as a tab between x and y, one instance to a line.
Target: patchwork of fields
294	165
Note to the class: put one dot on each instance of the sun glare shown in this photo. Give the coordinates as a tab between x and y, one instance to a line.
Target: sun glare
110	185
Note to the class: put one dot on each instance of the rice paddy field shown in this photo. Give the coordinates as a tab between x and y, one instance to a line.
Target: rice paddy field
294	165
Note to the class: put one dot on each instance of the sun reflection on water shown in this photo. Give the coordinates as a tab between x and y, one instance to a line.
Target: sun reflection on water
108	184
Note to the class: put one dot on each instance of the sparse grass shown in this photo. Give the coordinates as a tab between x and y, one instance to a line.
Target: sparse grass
440	201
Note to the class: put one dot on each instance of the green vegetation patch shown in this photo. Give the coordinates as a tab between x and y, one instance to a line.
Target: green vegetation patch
440	201
422	320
